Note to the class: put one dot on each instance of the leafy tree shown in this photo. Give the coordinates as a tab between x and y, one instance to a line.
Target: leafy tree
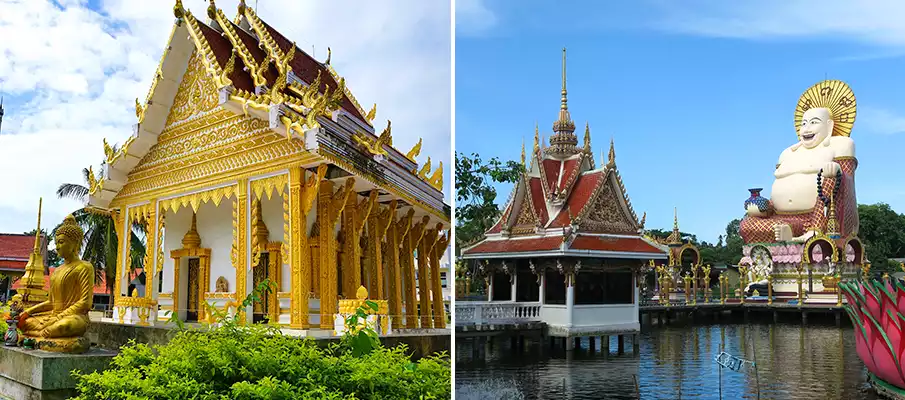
101	243
476	210
883	233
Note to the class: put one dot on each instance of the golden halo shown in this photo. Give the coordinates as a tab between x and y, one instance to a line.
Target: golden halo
834	95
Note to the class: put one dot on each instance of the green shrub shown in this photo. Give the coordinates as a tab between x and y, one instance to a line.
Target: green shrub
258	362
255	362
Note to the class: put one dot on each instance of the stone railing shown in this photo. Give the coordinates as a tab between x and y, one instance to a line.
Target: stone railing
135	310
483	312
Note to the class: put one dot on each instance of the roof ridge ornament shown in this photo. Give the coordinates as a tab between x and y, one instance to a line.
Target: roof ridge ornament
563	141
415	151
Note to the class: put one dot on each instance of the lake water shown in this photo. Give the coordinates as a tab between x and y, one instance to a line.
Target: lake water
677	362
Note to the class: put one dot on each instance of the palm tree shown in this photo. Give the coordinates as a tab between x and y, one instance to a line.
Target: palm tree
101	243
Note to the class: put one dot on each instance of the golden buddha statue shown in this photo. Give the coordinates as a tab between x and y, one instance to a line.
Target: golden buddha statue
59	324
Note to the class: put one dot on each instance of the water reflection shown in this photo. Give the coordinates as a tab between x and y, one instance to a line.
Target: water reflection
792	362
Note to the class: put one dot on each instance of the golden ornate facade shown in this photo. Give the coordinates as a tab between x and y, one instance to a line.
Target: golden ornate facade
283	177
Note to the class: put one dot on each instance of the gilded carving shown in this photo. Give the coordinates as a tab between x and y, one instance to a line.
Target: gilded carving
196	93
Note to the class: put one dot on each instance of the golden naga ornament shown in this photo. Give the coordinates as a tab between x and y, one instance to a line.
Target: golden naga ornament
834	95
376	147
59	324
415	151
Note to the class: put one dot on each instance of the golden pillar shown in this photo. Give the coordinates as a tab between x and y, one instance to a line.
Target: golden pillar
354	216
240	232
425	247
275	262
742	275
407	262
150	248
302	194
378	224
329	207
118	223
437	287
395	232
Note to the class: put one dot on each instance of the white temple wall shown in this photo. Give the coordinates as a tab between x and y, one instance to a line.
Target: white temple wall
272	213
177	224
604	314
215	226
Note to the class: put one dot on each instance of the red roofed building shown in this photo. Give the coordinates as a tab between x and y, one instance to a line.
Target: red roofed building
568	239
14	252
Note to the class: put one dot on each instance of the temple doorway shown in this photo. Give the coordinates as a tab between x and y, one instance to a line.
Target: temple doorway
261	272
192	287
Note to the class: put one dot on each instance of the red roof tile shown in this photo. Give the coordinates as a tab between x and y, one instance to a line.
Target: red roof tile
570	171
517	245
602	243
13	246
580	195
550	172
222	49
537	198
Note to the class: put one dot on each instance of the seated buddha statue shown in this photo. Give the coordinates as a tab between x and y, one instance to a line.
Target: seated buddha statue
798	208
59	324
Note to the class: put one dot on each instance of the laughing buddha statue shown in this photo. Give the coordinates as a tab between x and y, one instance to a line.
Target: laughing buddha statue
798	208
59	324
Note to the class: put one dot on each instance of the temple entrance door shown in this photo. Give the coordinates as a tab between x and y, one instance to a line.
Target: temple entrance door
192	300
260	273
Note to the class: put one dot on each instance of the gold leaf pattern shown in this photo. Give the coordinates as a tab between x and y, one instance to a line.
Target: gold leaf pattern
196	93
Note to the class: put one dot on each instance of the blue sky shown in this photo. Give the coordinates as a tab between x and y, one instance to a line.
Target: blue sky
699	96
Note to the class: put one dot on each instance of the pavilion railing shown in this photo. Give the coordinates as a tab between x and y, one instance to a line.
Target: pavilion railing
492	312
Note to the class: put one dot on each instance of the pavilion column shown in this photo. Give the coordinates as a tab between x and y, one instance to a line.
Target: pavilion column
301	197
425	246
541	286
354	216
240	235
127	256
150	249
513	282
119	227
488	282
570	297
329	208
395	232
407	261
437	289
176	308
379	222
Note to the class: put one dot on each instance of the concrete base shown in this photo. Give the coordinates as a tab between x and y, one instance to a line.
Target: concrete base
44	375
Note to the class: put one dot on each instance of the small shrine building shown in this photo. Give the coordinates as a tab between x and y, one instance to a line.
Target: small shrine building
568	239
253	162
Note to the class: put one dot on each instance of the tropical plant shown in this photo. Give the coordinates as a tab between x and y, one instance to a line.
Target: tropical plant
100	245
256	361
359	336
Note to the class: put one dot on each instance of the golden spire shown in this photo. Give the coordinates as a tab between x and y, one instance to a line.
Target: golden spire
178	10
611	158
38	230
212	10
563	141
241	7
587	138
192	240
32	291
523	153
675	238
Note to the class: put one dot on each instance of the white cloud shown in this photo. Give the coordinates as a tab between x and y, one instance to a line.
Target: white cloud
870	21
77	71
473	17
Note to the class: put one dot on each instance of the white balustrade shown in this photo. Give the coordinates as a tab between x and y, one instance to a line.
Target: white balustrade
482	312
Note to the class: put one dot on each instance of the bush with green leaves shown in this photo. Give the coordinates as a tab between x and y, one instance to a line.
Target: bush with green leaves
232	361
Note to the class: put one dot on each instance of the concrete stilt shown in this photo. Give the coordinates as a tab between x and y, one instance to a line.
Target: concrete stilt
838	319
605	345
746	315
804	317
591	344
577	343
620	344
636	345
775	317
570	344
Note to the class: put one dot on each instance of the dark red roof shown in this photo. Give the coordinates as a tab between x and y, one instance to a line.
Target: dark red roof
16	246
306	68
537	199
603	243
570	171
517	245
581	193
223	49
550	172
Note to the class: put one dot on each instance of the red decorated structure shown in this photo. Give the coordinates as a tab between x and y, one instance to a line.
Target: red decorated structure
568	239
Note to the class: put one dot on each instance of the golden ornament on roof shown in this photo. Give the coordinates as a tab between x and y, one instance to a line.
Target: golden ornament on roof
834	95
415	151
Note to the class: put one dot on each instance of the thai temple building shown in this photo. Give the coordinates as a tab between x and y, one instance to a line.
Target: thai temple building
568	239
252	163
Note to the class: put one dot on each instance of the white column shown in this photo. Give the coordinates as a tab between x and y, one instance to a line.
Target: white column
490	287
570	298
513	279
541	287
